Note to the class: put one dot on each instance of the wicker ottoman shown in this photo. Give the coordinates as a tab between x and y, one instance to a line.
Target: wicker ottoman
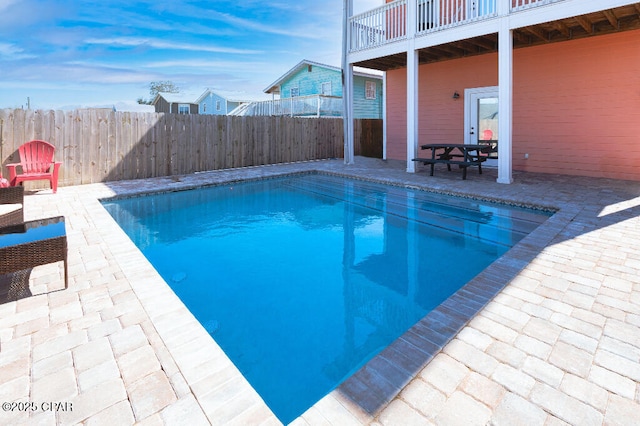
11	196
33	243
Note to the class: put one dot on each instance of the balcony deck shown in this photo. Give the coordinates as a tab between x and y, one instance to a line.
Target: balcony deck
298	106
446	29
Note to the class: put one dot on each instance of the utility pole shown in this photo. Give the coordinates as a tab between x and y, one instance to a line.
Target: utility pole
28	102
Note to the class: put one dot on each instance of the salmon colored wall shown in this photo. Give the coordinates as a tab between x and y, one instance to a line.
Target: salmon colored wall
576	105
441	117
586	119
396	99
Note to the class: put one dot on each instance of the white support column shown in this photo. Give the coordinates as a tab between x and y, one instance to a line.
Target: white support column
347	86
347	100
412	87
384	116
505	105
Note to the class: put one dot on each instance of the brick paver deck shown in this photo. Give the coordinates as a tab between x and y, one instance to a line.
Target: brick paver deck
548	334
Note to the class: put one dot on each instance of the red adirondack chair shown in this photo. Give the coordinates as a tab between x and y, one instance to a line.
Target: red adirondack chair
36	162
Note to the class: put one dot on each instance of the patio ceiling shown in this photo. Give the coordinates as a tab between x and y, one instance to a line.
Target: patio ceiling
599	23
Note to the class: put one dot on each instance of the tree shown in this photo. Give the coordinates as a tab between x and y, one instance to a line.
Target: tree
156	87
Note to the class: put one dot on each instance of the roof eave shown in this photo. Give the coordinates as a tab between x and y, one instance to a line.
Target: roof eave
278	82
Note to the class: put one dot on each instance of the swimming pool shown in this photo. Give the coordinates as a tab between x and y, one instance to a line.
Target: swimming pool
302	279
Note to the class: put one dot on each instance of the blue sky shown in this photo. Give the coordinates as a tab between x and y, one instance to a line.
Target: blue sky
66	54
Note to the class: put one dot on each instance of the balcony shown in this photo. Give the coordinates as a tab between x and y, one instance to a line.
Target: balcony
388	23
299	106
378	38
379	26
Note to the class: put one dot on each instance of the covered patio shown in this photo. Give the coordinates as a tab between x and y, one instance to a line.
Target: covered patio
558	341
433	51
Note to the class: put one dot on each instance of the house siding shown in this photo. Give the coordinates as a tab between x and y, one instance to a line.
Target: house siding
397	114
576	105
310	83
162	106
584	118
210	102
363	107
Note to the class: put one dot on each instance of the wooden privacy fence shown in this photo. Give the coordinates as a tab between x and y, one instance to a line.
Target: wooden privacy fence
99	145
367	138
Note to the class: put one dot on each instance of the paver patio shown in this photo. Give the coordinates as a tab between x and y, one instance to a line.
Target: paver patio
559	343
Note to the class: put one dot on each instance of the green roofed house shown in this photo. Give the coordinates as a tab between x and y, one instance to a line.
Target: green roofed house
311	89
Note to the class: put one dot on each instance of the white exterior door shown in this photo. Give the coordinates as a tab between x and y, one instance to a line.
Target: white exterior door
481	117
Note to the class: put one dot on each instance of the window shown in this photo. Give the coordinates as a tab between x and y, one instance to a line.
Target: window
183	109
295	91
204	107
370	90
325	89
218	107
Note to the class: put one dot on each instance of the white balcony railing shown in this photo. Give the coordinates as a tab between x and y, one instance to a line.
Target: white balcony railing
434	15
299	106
526	4
379	26
388	23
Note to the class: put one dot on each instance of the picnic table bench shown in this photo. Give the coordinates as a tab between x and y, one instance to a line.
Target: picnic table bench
462	155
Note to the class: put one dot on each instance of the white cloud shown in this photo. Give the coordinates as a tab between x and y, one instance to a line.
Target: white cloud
305	31
4	4
12	52
159	44
204	64
75	73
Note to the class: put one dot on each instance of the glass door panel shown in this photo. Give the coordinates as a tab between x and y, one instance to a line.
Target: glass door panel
481	119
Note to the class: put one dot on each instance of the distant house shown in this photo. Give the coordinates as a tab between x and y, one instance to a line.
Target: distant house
311	89
218	103
175	103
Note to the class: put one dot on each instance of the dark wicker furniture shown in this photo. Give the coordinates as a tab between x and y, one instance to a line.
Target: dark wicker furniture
12	195
33	243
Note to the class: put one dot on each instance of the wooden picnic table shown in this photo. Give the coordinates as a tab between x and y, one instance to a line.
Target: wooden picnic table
462	155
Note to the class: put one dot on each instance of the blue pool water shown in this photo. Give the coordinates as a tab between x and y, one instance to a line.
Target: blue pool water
302	279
